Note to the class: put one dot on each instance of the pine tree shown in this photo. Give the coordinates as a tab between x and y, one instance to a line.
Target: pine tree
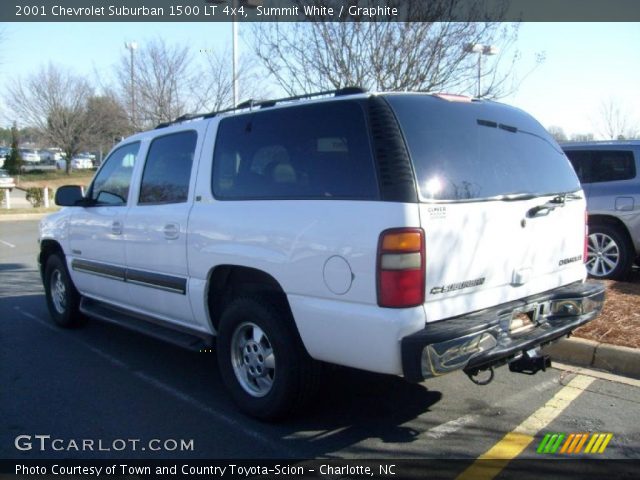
13	163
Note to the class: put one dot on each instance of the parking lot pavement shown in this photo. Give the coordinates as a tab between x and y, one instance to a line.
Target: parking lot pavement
104	383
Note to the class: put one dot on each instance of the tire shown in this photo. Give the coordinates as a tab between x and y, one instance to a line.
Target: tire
63	300
262	360
610	255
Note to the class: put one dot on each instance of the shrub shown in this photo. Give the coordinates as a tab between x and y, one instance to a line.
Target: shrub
35	196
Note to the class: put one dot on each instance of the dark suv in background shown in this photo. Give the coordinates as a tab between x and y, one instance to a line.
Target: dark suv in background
609	175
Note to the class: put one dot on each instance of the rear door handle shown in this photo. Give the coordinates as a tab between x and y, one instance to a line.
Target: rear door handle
116	227
171	231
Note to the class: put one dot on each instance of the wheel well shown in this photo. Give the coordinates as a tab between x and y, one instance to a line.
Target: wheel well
615	223
227	282
47	248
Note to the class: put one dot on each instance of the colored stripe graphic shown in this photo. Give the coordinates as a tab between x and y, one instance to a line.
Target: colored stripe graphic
543	443
574	443
554	447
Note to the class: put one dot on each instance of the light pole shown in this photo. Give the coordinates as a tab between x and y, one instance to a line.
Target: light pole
132	47
235	4
481	49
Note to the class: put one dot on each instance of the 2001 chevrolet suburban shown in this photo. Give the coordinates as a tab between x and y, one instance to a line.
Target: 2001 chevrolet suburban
407	234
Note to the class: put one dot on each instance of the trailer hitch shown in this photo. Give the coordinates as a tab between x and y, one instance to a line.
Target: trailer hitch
530	364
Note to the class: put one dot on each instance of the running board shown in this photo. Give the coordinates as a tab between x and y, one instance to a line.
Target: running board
146	325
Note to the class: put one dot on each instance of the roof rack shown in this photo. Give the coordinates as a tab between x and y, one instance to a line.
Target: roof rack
250	104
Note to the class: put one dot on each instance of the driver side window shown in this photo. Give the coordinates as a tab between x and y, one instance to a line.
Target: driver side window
111	185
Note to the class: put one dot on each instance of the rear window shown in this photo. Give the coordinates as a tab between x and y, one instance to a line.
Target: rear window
303	152
464	151
594	166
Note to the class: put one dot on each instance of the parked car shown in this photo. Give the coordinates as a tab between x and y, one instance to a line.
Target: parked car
406	234
6	181
29	155
608	172
51	154
81	162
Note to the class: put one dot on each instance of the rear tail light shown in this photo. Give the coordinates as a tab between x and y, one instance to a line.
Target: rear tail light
585	250
401	268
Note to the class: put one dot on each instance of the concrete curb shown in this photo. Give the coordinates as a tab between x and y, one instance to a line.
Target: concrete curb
603	356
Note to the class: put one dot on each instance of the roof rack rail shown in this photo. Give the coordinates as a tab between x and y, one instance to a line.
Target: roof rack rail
340	92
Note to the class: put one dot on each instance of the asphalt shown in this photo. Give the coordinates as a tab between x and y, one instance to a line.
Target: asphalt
102	382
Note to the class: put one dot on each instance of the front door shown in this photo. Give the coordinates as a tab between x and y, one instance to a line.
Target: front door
96	232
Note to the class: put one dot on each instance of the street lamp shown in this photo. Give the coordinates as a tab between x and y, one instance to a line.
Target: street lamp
132	47
481	50
250	4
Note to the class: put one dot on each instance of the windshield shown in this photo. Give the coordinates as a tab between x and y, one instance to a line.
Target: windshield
479	150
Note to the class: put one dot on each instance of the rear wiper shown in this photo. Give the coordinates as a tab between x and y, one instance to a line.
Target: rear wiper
558	201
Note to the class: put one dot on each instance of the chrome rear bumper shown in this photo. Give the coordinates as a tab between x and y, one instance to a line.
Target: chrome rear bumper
488	338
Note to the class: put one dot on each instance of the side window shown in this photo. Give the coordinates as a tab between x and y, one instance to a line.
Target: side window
610	166
581	161
168	169
308	151
111	185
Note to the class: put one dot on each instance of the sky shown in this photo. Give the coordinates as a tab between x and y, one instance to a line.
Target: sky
585	64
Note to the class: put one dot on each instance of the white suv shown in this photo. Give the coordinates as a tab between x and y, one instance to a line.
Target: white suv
406	234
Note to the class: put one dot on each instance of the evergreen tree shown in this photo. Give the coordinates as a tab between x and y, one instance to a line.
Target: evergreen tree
13	163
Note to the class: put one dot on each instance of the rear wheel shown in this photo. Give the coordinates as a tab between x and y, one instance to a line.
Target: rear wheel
262	360
63	300
609	254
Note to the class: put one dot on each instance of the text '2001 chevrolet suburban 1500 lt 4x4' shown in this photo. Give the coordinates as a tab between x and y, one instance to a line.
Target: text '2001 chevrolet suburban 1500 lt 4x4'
406	234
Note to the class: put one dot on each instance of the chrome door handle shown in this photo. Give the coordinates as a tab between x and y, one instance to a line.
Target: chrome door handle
116	227
171	231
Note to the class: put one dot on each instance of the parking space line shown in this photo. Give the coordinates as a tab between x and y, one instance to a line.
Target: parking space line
10	245
231	422
493	461
451	426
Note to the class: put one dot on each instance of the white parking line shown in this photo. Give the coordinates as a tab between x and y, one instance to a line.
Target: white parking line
10	245
231	422
451	427
459	423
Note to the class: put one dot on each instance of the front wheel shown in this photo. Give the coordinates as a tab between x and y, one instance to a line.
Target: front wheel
262	360
63	300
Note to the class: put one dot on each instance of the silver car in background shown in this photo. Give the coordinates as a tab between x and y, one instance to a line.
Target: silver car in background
609	173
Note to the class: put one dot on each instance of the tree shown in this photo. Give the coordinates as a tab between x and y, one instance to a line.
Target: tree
164	83
54	101
429	56
13	163
614	121
557	133
582	137
108	121
215	90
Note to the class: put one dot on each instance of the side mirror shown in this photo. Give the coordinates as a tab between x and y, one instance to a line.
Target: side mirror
69	196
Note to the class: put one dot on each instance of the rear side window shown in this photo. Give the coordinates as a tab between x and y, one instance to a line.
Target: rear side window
168	169
463	151
302	152
594	166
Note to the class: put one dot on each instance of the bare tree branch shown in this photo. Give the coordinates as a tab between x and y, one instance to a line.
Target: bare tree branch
53	101
615	121
426	56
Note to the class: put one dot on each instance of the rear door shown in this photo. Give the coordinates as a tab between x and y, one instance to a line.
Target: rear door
501	206
156	227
